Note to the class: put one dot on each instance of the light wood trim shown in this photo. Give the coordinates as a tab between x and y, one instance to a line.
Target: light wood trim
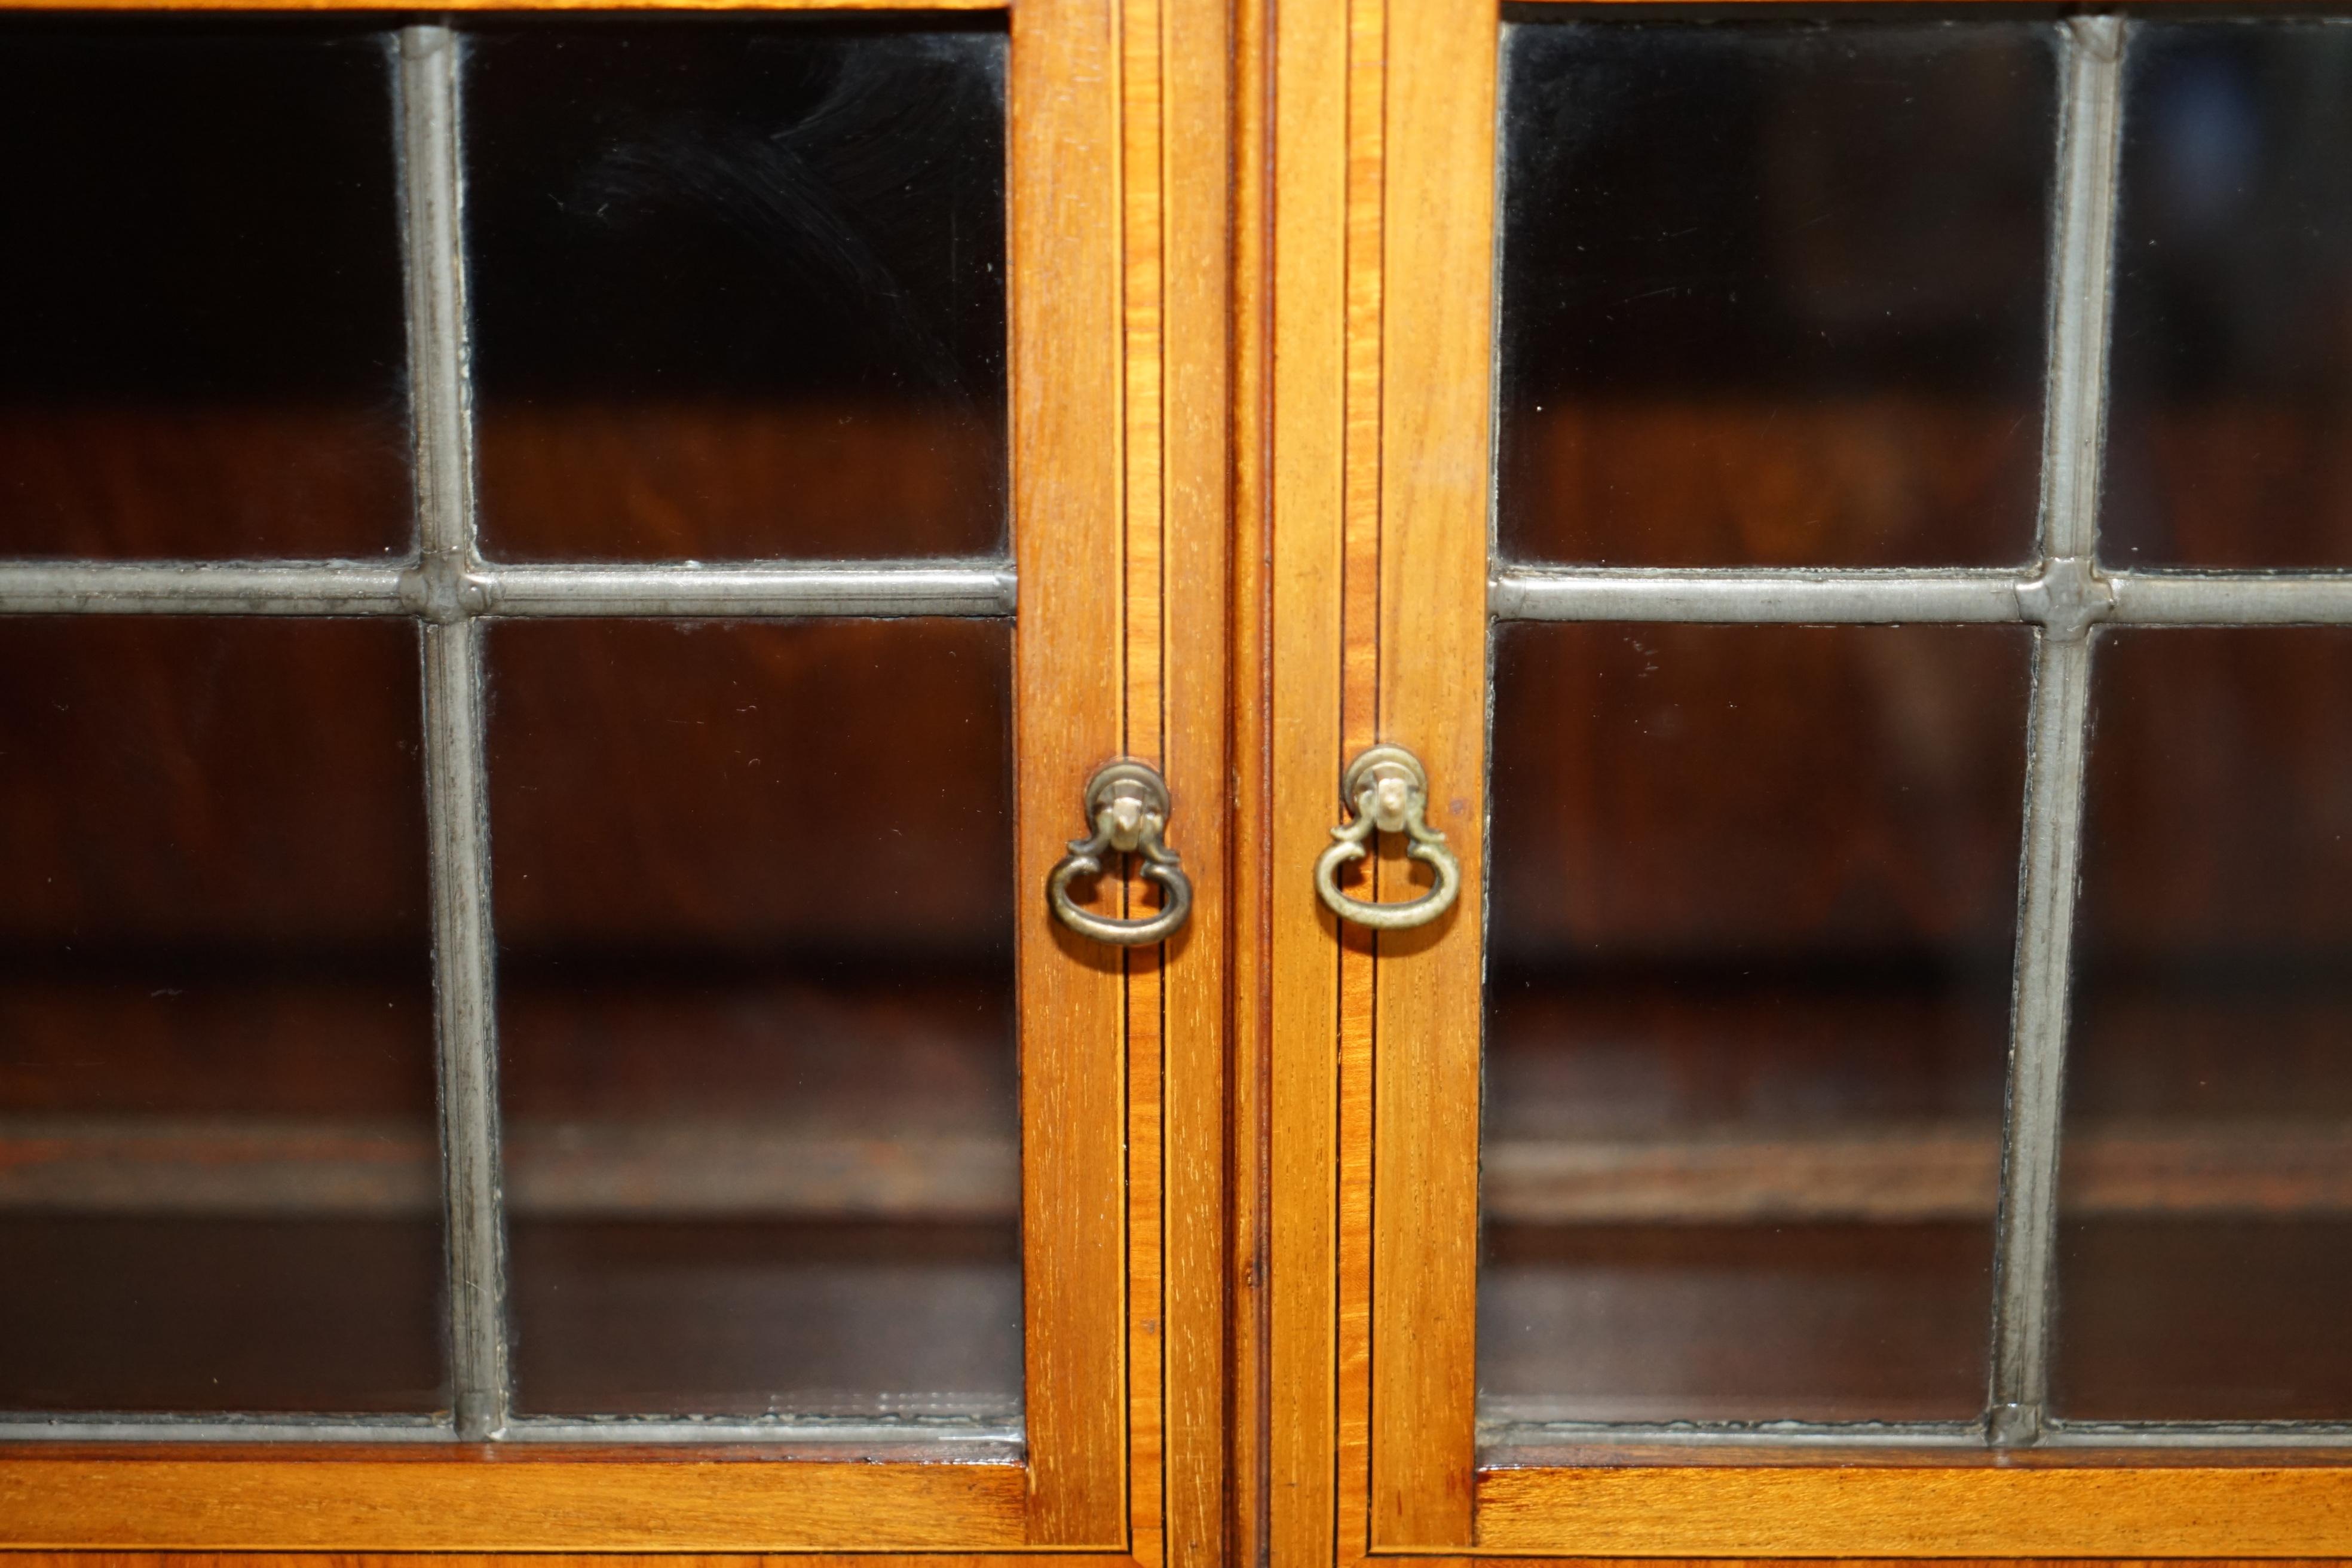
1438	249
1914	1511
1360	726
546	1559
555	1500
1004	1560
1307	49
1065	286
1195	54
1147	1434
1143	545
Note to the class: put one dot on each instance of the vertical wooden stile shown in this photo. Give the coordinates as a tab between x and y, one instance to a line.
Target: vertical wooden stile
1196	300
1438	246
1309	51
1067	483
1250	1263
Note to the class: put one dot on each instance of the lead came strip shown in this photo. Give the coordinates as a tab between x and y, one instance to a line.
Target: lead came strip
876	588
456	803
1806	596
2071	600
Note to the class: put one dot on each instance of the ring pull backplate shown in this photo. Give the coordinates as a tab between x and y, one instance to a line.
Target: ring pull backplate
1388	790
1128	803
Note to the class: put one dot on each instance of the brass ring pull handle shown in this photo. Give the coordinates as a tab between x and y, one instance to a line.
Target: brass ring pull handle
1128	803
1388	790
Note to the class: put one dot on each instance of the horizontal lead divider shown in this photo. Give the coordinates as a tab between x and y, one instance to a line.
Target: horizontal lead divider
968	590
1515	1432
1762	597
2165	599
1801	597
990	1437
164	1428
2197	1435
993	1436
653	590
698	591
201	588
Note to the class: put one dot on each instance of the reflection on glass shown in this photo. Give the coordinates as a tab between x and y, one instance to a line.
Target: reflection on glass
218	1175
2206	1243
740	291
754	899
205	343
1752	908
2230	433
1730	337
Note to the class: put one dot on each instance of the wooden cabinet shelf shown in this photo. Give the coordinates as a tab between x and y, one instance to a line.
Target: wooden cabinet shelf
1914	1172
1890	1173
567	1170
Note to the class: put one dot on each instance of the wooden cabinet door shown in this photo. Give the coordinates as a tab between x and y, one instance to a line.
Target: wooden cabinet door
817	471
1735	550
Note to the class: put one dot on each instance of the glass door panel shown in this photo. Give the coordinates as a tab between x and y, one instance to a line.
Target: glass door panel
2205	1242
1753	906
1724	340
1774	1026
205	347
221	1190
754	890
739	288
2232	374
